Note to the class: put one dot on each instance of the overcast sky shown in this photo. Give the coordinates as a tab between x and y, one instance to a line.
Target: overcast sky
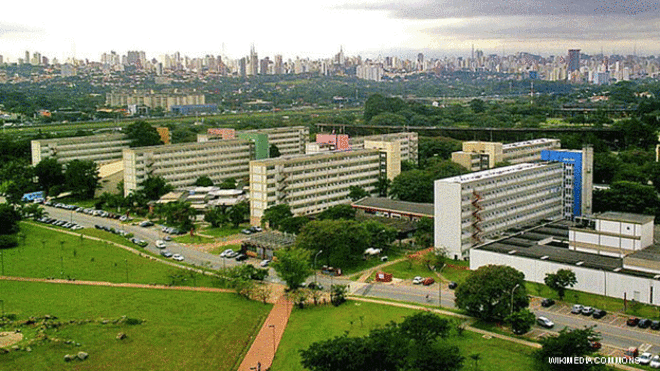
307	28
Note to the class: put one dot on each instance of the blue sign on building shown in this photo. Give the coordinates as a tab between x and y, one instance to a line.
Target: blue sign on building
34	196
573	158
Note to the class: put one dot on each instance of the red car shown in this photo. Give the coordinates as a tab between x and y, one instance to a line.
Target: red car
595	345
631	353
632	321
428	281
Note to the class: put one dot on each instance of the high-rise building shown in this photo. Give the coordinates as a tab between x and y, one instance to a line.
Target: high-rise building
573	60
578	176
98	148
485	155
254	62
279	66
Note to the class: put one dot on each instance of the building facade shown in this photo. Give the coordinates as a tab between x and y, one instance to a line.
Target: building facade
181	164
310	184
473	207
408	143
101	149
612	234
477	156
578	178
153	100
289	140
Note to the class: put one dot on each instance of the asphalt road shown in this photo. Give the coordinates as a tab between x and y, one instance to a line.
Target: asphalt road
615	333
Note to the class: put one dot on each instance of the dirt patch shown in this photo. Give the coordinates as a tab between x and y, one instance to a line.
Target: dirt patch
9	338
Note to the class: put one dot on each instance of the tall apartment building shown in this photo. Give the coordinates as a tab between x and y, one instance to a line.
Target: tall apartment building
153	100
98	148
477	155
471	208
311	183
289	140
408	143
181	164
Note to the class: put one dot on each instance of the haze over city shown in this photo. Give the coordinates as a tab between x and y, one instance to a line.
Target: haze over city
308	29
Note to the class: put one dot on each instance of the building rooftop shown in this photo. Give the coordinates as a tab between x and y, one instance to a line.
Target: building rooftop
386	204
492	173
528	143
313	156
625	217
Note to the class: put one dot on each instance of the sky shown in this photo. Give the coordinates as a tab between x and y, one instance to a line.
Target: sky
304	28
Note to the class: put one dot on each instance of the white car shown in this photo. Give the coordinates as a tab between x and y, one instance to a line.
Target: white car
264	263
418	280
225	253
160	244
655	362
645	358
545	322
178	257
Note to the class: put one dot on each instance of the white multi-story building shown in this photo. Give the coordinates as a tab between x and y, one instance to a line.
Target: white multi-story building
98	148
311	183
471	208
477	156
153	100
181	164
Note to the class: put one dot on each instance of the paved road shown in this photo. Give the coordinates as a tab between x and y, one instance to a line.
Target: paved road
612	327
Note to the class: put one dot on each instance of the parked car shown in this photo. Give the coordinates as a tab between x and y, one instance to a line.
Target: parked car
384	258
577	309
655	362
599	313
428	281
225	253
315	286
645	358
545	322
246	231
417	280
254	229
167	238
595	344
166	254
632	321
453	285
655	325
644	323
231	254
143	243
587	311
178	257
146	223
631	353
160	244
241	257
547	302
264	263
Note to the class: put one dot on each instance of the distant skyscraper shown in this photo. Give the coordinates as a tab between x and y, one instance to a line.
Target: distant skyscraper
27	57
254	62
242	67
420	61
573	60
279	66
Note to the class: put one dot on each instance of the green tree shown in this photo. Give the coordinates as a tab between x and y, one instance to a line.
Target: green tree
274	152
229	183
382	186
154	187
293	266
388	119
521	321
440	147
356	192
142	134
49	173
274	215
489	292
569	343
346	212
343	241
294	224
82	178
625	196
424	327
216	217
424	235
9	218
239	213
35	211
560	281
413	186
204	181
381	236
477	105
440	169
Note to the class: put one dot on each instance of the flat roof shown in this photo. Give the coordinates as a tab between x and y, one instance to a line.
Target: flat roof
493	172
312	156
528	143
383	203
625	217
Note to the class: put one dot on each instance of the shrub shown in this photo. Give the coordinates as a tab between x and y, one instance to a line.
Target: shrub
8	241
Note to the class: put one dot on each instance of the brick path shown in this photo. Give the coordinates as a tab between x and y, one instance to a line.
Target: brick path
265	345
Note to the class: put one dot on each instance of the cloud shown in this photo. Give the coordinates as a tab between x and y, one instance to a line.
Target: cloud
446	9
12	28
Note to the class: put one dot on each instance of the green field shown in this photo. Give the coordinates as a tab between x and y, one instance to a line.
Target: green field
224	231
324	322
408	269
48	253
182	330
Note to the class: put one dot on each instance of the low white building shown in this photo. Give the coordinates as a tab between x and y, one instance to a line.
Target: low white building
612	233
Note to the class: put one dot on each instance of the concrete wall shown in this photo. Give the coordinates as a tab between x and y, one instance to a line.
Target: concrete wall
448	218
600	282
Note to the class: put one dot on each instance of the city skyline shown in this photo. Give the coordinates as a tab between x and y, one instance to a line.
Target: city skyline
295	28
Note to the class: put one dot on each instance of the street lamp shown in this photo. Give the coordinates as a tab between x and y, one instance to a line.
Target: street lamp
273	327
512	291
316	256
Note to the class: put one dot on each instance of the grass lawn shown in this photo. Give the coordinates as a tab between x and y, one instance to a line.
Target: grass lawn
392	254
325	322
182	330
453	271
186	238
225	231
407	270
48	253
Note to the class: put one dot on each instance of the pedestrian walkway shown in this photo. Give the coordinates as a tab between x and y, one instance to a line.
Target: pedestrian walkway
263	349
